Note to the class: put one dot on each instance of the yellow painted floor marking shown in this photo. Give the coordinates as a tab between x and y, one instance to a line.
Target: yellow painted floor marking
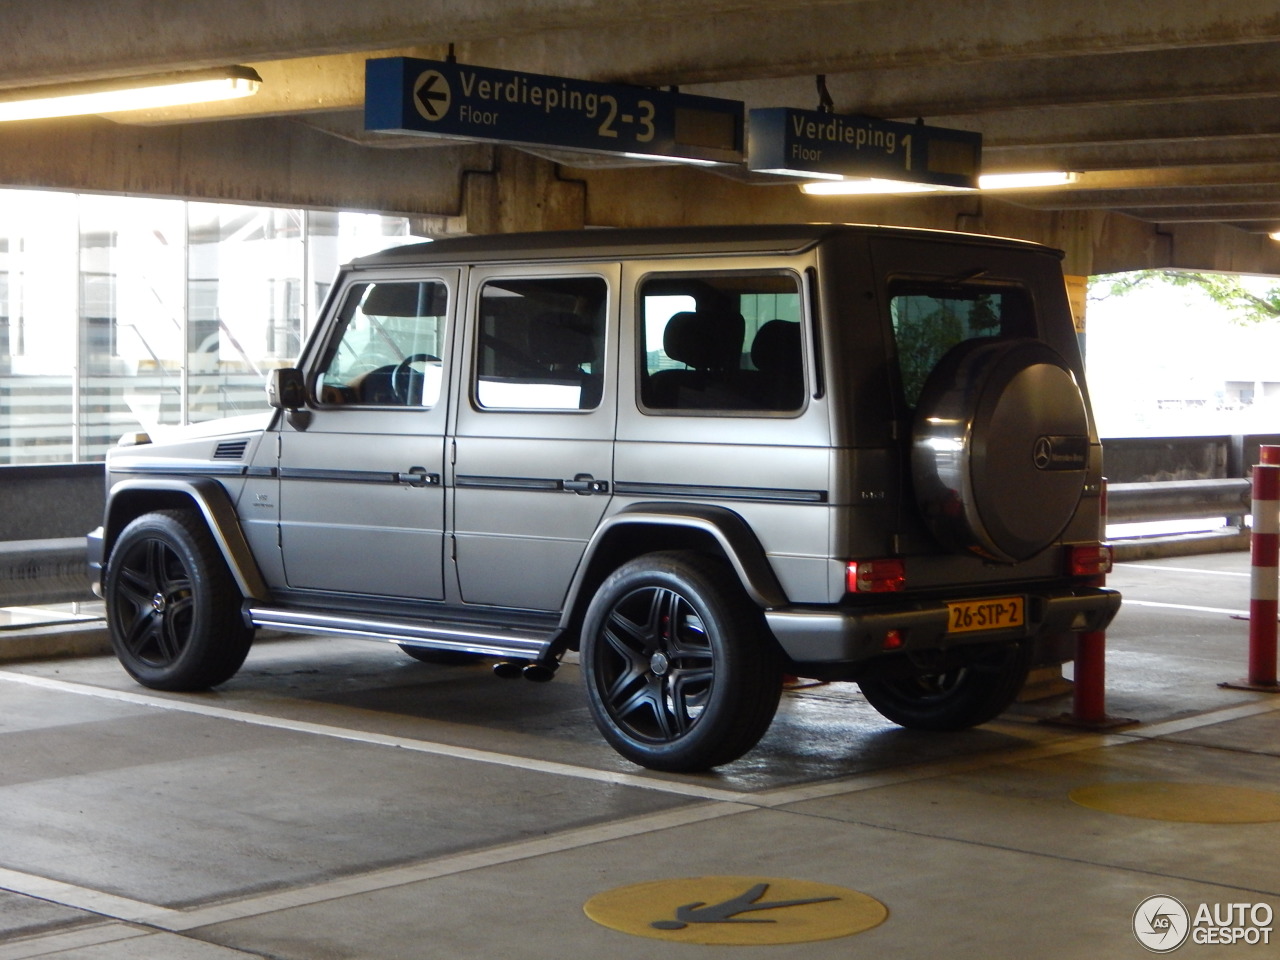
732	910
1185	802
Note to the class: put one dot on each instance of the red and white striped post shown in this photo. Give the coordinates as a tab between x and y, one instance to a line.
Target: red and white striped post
1264	567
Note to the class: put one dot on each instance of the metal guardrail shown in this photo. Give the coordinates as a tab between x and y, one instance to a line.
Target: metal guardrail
1155	479
46	510
1178	500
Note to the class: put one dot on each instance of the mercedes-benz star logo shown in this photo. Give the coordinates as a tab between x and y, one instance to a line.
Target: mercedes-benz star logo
1043	454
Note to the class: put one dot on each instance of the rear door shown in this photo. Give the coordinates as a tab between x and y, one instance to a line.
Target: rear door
533	470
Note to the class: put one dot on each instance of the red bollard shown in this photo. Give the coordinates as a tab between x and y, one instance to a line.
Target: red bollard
1264	581
1089	692
1089	685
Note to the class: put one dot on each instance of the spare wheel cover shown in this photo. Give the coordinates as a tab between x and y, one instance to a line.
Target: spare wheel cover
1000	448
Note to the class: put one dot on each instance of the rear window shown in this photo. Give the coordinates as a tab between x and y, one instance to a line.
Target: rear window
728	343
930	318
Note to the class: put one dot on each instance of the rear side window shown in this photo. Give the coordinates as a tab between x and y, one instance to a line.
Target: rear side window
541	343
727	342
931	318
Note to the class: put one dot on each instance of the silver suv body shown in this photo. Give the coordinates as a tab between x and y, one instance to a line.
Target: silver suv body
703	458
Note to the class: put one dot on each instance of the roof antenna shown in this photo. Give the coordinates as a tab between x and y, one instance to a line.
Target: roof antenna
825	103
451	58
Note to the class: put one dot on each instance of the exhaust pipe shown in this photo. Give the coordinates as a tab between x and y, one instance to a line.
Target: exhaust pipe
535	672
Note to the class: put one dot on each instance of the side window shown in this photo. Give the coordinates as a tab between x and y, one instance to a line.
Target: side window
386	347
729	342
930	318
541	343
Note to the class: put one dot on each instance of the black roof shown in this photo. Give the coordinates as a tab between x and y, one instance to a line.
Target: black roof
649	242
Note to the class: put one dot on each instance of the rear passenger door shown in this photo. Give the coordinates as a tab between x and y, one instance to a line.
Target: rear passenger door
724	409
533	456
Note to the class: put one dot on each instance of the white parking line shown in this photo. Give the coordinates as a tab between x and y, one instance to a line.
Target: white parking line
679	788
84	898
1157	569
63	941
447	866
1184	606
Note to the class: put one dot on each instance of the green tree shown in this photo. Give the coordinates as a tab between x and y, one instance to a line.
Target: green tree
1246	305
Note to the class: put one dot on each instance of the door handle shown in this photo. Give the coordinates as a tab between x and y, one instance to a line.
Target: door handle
418	477
585	485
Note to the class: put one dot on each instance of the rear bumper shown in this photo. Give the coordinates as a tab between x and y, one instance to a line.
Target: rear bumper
852	635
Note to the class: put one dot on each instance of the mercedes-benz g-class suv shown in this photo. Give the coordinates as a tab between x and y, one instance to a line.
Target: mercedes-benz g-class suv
702	458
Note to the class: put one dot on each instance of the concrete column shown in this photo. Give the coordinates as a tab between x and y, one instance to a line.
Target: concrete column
522	192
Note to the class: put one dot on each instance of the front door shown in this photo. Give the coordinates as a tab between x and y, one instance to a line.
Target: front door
534	461
361	492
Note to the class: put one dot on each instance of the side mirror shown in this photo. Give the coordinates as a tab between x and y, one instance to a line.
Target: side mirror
286	390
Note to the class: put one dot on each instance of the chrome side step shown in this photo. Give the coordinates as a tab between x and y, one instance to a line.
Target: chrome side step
528	645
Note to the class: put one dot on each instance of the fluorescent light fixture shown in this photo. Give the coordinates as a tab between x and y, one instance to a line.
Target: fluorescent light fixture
662	158
802	174
990	181
1276	236
1024	181
128	93
872	186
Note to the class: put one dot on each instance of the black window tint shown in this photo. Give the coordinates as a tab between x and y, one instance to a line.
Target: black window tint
386	348
729	343
930	319
541	344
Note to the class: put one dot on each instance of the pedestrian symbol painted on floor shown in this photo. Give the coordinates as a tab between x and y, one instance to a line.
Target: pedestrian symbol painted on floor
736	910
730	910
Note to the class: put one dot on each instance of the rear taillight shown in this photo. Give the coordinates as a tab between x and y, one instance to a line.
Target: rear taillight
887	575
1089	560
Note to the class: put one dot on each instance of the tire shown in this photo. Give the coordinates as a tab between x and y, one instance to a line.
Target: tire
955	699
1000	448
679	671
173	608
443	658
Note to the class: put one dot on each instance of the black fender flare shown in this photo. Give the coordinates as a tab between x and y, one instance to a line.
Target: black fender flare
740	545
211	499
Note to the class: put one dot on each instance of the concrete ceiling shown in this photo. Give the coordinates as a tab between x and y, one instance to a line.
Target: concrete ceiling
1169	111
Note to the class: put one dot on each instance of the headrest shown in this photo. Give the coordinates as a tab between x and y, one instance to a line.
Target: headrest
776	348
705	340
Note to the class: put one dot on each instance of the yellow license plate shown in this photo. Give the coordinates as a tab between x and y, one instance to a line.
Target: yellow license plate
998	613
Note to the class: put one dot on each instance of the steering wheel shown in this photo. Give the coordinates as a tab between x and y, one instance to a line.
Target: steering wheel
402	375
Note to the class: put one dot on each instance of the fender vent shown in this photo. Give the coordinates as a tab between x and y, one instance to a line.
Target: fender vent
231	450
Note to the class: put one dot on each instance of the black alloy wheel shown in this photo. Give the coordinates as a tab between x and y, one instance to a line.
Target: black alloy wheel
955	699
173	608
680	675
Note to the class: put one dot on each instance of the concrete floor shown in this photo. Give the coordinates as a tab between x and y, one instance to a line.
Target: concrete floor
339	800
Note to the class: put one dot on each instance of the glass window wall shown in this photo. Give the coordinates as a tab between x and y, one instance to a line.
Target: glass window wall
120	314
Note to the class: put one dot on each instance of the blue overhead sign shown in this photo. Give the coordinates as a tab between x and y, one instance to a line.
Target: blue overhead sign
435	98
812	143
